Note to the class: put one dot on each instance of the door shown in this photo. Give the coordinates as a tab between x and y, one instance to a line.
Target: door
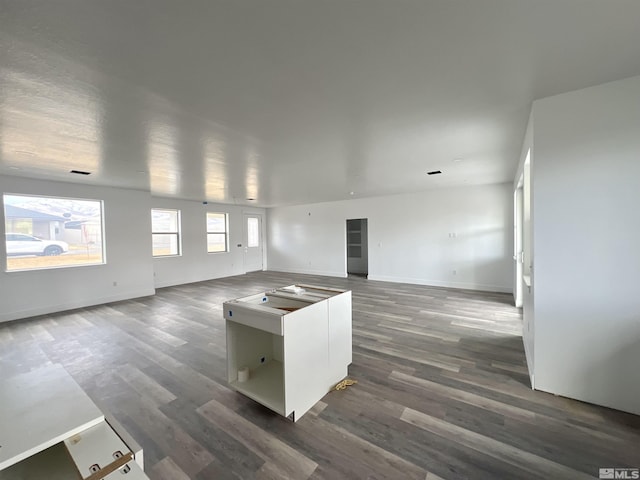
253	245
518	251
357	247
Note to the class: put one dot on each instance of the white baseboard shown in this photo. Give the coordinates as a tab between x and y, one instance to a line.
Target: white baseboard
61	307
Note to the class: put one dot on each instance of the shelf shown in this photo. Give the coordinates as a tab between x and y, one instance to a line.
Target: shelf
265	385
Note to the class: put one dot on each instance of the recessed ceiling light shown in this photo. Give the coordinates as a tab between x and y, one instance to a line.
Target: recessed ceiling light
80	172
434	172
458	159
352	193
14	168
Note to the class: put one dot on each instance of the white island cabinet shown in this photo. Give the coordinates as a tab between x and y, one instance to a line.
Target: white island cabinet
293	342
51	430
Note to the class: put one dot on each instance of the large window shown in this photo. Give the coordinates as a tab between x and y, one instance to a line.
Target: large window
217	236
51	232
165	230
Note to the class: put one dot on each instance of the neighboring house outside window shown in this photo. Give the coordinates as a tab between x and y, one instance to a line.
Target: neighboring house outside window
52	232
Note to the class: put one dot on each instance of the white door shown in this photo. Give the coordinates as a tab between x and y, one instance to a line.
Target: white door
253	242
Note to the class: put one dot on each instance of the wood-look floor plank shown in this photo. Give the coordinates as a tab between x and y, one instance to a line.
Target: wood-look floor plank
283	460
145	385
413	355
166	469
465	397
501	451
186	452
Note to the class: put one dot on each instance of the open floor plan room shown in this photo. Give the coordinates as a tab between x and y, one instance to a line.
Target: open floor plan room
215	212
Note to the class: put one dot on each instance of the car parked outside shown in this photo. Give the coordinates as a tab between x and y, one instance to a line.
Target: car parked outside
22	244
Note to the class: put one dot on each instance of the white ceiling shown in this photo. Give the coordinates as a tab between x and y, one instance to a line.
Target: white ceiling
292	101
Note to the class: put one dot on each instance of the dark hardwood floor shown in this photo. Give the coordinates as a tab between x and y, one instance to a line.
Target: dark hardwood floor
442	392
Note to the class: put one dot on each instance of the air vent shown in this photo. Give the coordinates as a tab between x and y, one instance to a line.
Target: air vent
434	172
80	172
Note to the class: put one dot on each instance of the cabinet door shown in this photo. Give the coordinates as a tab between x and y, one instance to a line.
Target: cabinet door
340	340
306	357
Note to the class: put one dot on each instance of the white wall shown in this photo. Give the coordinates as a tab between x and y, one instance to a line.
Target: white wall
195	264
586	228
128	251
127	225
408	237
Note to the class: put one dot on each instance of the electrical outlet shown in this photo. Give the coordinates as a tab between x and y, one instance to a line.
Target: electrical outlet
455	272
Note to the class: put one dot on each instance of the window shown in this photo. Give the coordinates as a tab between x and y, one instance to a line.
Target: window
165	231
253	232
52	232
217	238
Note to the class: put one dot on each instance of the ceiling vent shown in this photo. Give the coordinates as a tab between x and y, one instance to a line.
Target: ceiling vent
80	172
434	172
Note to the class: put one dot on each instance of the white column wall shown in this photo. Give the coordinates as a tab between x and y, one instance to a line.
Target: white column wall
586	228
408	237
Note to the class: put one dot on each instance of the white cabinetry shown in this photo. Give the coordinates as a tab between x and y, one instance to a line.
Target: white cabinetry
295	341
50	429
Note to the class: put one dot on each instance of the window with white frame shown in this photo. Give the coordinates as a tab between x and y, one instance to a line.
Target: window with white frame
165	231
52	232
217	232
253	232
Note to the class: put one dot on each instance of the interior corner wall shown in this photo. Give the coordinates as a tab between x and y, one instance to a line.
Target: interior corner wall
126	221
195	264
586	233
410	237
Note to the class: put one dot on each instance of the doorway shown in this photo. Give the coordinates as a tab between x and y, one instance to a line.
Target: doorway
357	247
253	245
518	248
